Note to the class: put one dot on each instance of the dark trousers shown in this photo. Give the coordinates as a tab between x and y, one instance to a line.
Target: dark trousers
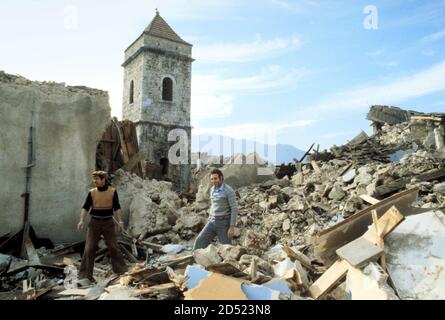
96	228
216	226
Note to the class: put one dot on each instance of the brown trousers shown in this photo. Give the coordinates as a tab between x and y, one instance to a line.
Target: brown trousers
96	228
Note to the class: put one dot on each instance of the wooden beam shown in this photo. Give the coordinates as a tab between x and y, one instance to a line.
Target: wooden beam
329	279
369	199
356	225
177	261
390	219
128	254
300	257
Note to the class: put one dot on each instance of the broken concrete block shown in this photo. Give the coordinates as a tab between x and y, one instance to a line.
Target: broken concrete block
286	225
349	176
297	179
416	256
363	177
337	193
359	252
439	187
227	251
369	284
272	202
207	256
295	204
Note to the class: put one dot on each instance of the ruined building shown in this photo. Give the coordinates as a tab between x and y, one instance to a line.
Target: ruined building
157	89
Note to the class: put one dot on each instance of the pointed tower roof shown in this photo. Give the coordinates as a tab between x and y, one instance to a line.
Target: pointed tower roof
158	27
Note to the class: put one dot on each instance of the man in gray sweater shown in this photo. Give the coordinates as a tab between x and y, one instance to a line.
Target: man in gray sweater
223	213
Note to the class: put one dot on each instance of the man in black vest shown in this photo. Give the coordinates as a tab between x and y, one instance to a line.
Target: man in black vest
104	201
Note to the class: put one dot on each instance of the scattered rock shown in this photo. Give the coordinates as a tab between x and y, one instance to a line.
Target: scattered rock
207	256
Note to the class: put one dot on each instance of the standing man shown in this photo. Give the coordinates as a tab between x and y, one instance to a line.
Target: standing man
223	213
103	200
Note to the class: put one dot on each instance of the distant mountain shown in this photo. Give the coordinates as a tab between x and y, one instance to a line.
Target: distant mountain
278	154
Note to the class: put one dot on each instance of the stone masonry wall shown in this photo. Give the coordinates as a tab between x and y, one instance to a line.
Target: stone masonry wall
69	122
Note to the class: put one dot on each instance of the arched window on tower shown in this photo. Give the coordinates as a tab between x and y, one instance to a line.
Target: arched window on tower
131	93
167	89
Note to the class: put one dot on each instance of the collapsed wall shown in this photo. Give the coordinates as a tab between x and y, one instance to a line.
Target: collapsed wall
68	123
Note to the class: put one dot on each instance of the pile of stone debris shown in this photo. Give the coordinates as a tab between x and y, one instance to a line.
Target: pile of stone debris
350	218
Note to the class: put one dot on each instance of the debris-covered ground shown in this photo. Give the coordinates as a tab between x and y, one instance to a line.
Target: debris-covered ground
345	226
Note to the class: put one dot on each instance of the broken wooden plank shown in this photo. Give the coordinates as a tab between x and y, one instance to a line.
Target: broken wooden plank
177	261
143	274
152	289
345	169
356	225
157	278
329	279
300	257
360	251
154	232
402	182
101	254
178	279
369	199
227	269
128	254
36	294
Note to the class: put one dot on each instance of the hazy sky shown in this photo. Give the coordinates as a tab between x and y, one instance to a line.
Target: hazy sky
308	69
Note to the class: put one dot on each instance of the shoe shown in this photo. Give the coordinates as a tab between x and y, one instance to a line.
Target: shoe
84	283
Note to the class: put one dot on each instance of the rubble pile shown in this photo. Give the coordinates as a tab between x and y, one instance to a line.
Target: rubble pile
325	192
346	220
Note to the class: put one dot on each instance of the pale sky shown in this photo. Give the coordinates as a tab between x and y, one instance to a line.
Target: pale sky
308	69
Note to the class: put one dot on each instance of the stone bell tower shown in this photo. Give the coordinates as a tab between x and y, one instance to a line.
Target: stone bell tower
157	90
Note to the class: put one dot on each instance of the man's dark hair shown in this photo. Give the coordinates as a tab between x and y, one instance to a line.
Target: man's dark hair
218	172
100	174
